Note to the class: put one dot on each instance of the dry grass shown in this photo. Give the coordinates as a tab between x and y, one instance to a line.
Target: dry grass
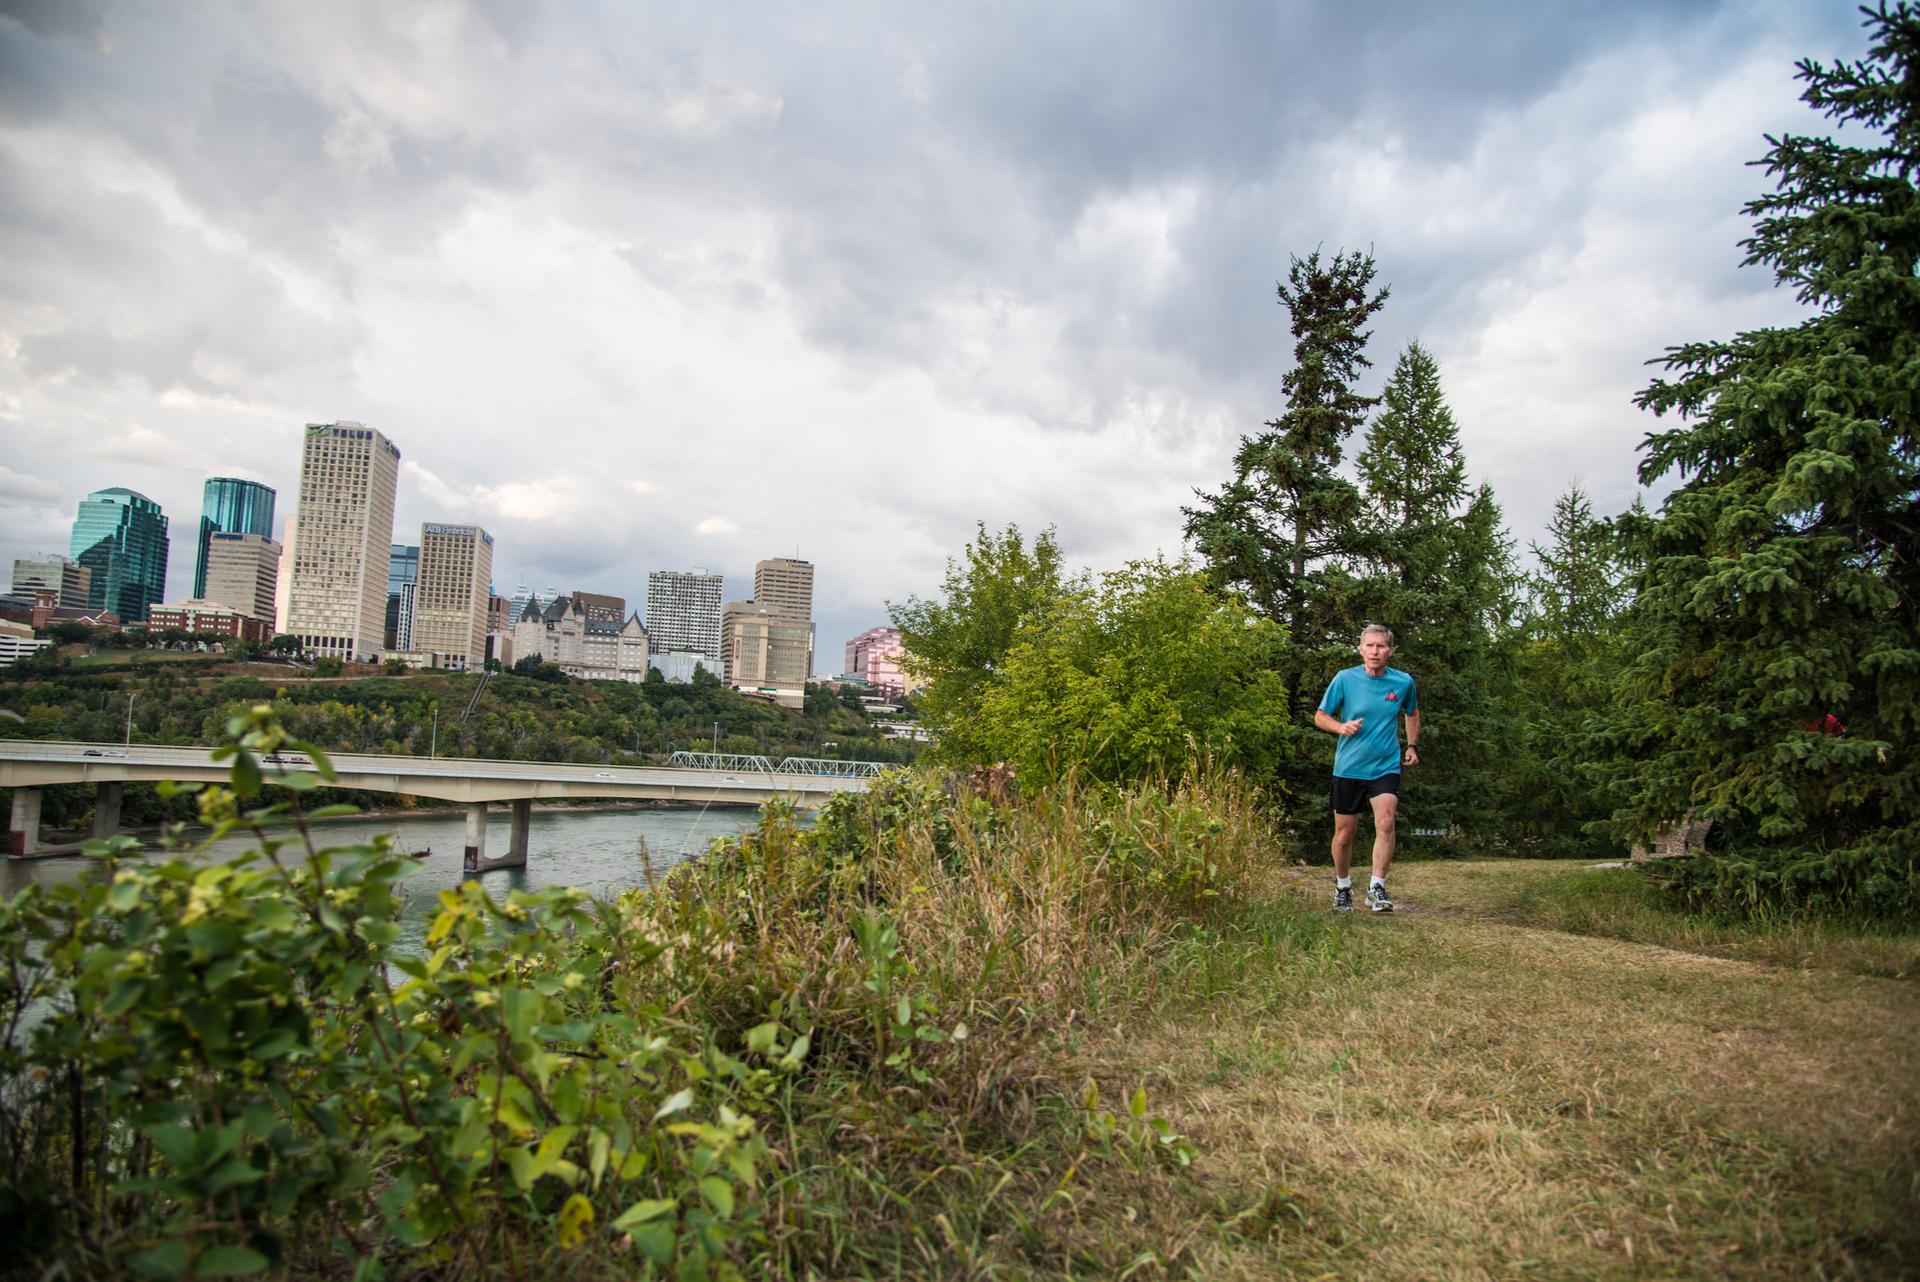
1485	1100
1619	902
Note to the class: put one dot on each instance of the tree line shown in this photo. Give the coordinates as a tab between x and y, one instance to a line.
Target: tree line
1747	655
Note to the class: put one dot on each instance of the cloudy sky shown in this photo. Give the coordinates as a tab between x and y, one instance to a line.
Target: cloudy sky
646	286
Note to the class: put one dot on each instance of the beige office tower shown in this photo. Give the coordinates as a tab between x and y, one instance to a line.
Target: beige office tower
767	653
343	525
243	571
451	593
784	588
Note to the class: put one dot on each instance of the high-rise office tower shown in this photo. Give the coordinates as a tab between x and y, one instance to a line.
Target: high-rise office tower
343	526
403	568
874	656
683	611
784	586
63	576
242	572
450	596
237	507
121	536
766	653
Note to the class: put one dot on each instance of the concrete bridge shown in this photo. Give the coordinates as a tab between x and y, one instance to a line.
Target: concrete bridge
27	766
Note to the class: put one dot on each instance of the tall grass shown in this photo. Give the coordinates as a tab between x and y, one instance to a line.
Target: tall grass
942	952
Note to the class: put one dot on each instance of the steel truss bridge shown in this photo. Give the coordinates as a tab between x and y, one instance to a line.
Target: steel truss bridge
748	763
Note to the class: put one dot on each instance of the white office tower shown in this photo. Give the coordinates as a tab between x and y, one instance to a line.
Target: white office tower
683	612
343	525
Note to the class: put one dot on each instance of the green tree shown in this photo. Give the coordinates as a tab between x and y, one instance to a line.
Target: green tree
959	645
1137	675
1283	533
1281	530
1780	581
1436	566
1566	672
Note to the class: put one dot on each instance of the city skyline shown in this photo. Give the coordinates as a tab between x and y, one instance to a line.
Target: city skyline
1007	275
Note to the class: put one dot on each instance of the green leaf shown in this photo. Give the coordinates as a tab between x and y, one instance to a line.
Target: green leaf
1138	1104
796	1052
178	1144
233	1172
760	1037
678	1102
168	1260
719	1195
651	1208
520	1009
655	1242
245	774
229	1262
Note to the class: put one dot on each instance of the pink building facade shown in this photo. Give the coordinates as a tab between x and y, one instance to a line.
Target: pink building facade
874	656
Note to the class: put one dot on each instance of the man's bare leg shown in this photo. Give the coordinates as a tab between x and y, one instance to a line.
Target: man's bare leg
1386	811
1344	827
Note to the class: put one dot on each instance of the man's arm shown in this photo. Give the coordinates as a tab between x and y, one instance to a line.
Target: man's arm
1325	721
1411	757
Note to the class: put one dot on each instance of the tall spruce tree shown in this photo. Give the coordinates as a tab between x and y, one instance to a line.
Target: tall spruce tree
1776	689
1282	531
1436	566
1567	669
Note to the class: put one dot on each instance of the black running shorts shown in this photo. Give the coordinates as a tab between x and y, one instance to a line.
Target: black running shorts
1351	796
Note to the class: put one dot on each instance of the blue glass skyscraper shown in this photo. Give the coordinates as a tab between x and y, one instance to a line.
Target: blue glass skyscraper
234	507
121	536
403	570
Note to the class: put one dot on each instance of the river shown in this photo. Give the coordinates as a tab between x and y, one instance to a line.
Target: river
604	852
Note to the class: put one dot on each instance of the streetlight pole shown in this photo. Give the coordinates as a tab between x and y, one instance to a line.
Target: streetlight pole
433	745
716	738
128	742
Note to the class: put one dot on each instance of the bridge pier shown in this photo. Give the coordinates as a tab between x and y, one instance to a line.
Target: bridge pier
476	850
23	828
522	825
106	809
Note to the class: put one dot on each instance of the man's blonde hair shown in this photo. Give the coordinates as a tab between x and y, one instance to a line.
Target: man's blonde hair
1380	629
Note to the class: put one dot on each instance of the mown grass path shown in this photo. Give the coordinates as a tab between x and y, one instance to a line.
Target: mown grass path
1479	1097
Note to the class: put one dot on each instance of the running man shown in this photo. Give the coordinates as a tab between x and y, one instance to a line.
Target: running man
1363	705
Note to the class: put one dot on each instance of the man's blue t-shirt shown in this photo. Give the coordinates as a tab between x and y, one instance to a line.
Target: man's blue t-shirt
1381	701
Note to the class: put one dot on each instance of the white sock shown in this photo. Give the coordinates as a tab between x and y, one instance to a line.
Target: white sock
1343	883
1380	882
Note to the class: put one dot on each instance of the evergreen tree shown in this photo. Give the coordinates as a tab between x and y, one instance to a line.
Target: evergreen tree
1567	669
1776	684
1281	532
1436	566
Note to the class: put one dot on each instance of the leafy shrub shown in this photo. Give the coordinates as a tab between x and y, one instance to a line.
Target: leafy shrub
231	1067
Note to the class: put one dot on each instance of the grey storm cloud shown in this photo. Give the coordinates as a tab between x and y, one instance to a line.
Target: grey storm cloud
648	286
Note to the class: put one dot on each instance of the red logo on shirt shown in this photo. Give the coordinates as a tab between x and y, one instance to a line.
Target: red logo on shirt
1392	697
